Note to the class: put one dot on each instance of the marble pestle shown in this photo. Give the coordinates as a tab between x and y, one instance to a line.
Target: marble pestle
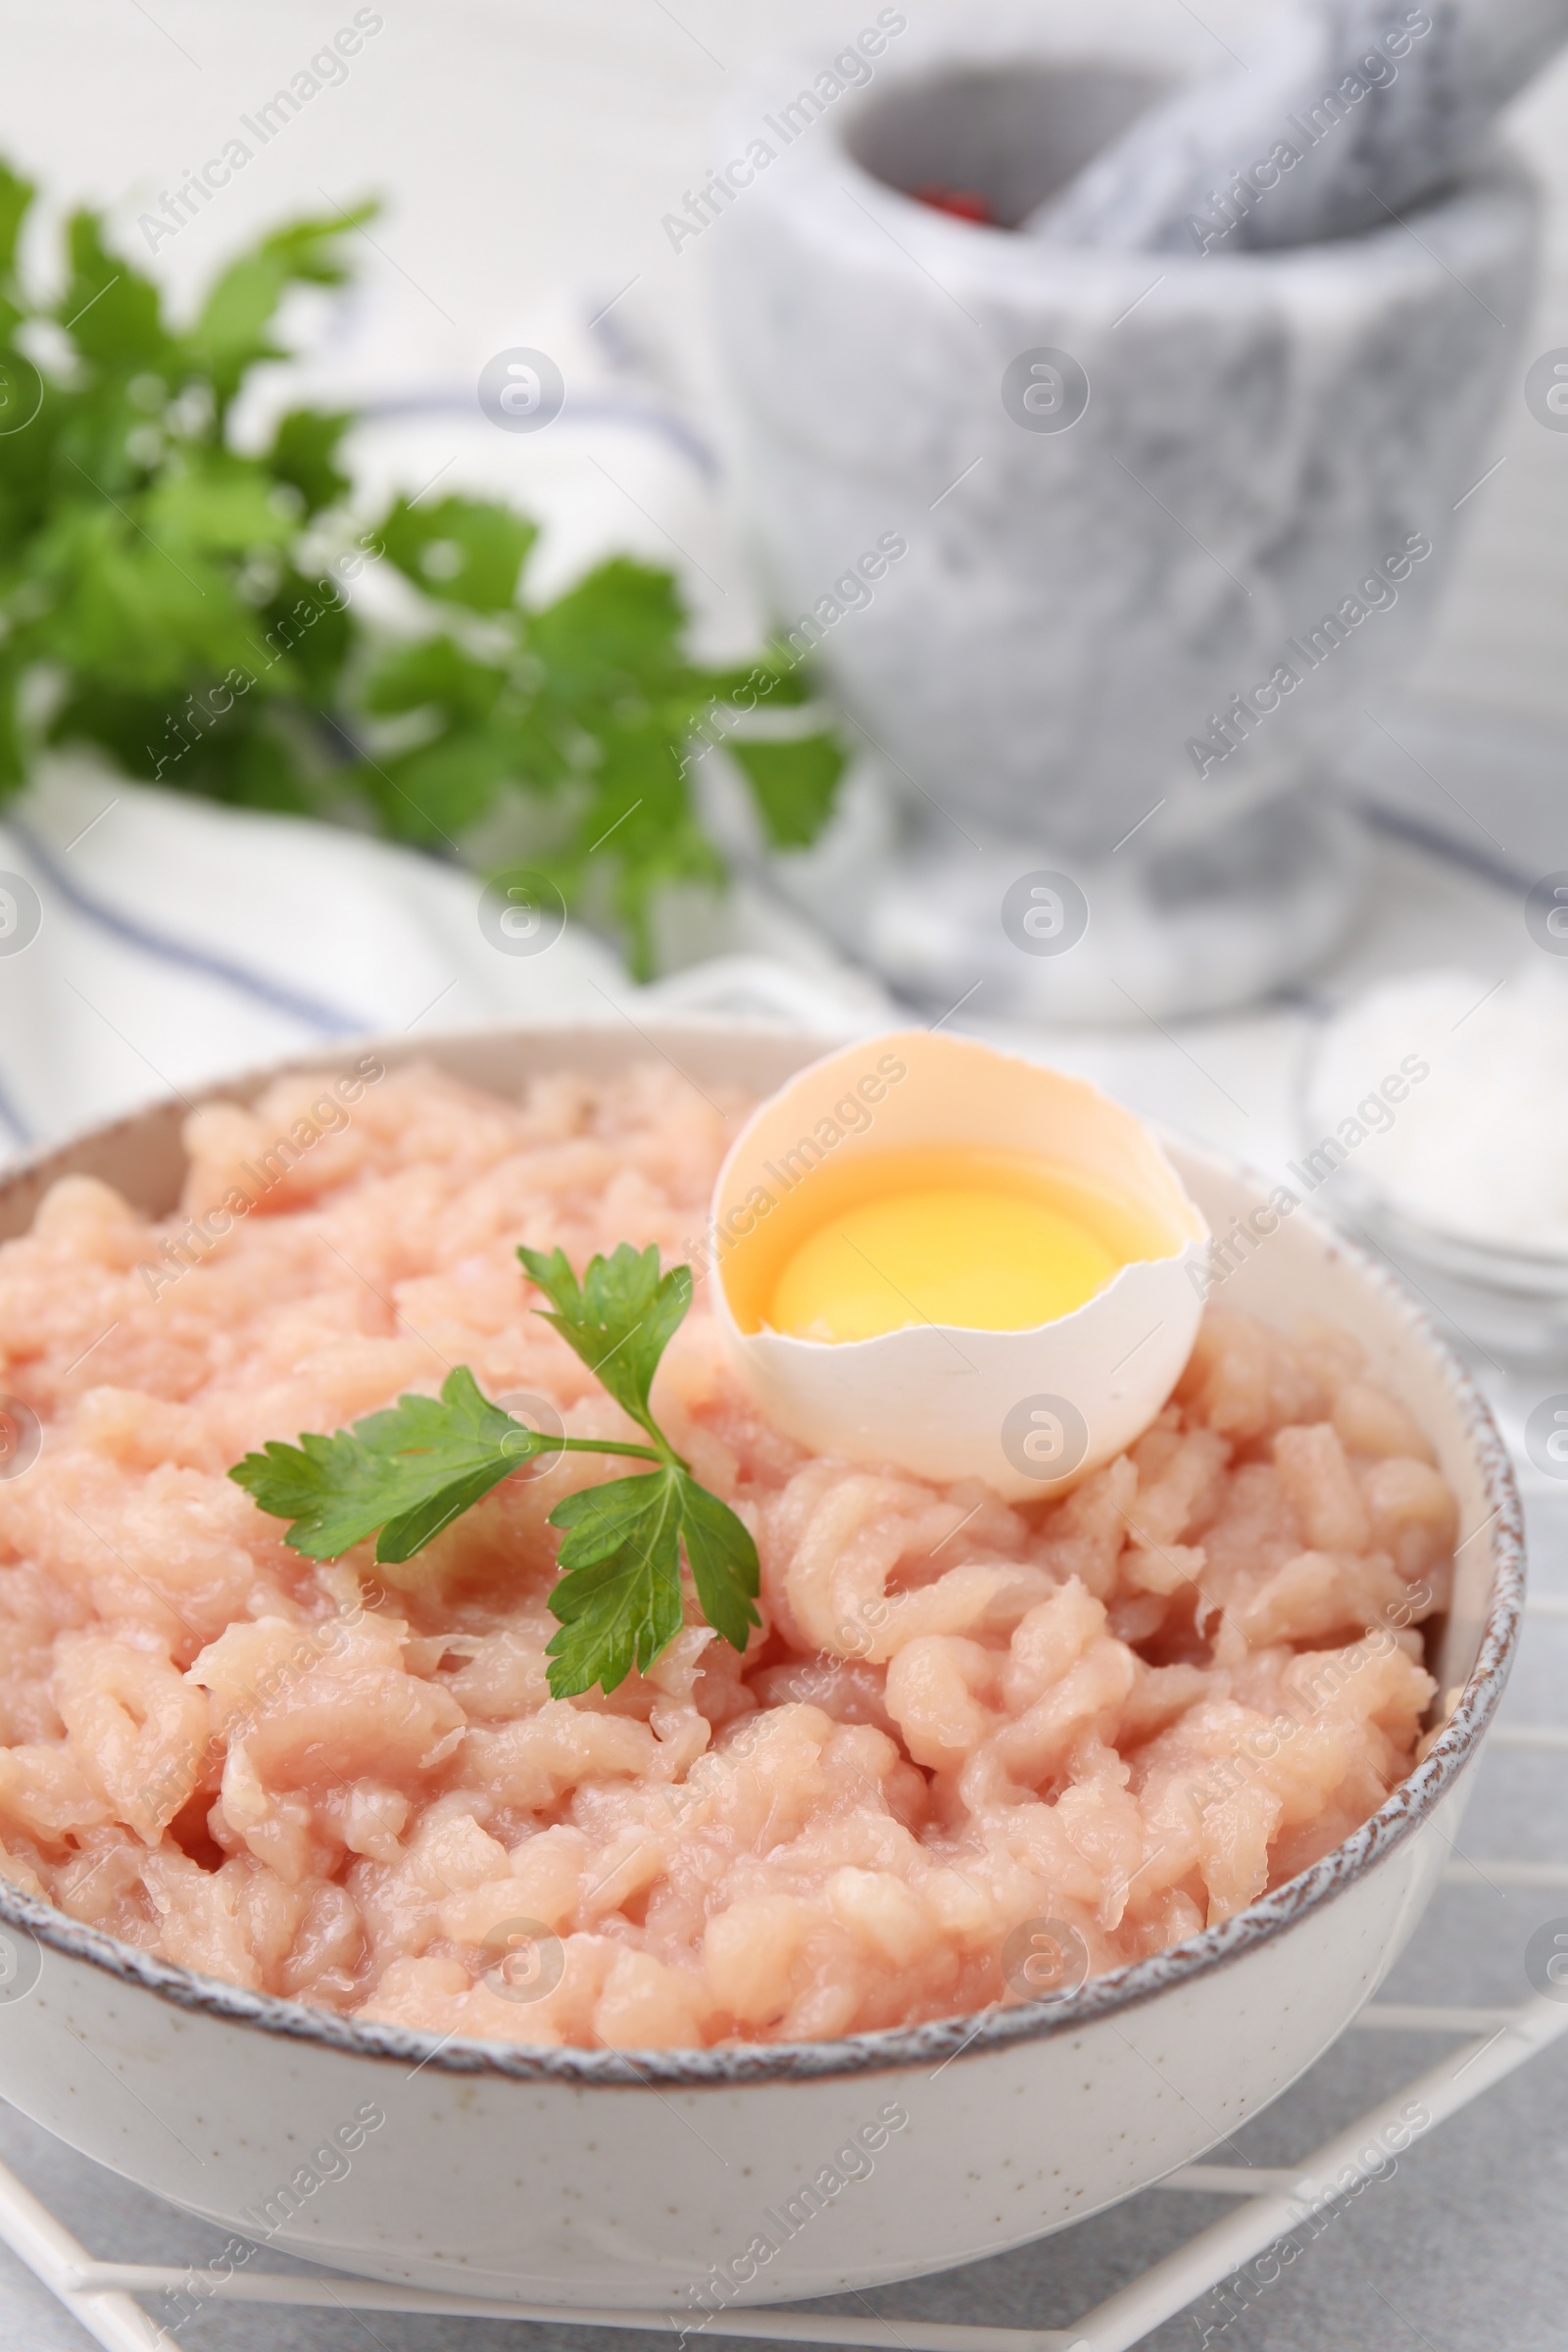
1353	112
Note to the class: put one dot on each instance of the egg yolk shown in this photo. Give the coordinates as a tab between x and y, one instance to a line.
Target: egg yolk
982	1256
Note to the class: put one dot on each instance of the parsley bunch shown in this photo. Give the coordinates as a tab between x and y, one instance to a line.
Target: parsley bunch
177	601
410	1471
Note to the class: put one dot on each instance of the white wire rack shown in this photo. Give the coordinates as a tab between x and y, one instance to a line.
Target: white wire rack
1271	2202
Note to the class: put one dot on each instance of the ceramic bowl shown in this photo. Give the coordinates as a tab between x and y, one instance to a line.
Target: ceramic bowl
678	2180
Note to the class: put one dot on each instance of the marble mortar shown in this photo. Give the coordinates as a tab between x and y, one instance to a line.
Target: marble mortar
1218	450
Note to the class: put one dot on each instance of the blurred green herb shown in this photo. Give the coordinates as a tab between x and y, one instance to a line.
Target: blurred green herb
406	1474
179	604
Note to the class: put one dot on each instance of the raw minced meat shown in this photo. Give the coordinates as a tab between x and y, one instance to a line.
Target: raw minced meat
1128	1712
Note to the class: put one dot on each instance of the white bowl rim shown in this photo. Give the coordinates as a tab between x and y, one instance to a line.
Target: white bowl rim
938	2039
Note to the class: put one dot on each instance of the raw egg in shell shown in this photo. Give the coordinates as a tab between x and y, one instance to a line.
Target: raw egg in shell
937	1255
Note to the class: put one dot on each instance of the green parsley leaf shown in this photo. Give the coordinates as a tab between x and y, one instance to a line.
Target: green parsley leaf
304	454
722	1557
232	333
409	1471
115	313
616	632
164	597
219	504
619	1599
795	782
16	200
618	1596
459	550
448	784
620	1320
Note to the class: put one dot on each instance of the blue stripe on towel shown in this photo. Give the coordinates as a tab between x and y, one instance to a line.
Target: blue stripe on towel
595	408
20	1126
330	1019
1438	842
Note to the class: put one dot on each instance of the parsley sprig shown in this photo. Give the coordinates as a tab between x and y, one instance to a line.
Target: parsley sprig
177	594
406	1474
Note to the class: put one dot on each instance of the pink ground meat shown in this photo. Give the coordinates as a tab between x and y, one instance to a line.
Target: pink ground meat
1129	1712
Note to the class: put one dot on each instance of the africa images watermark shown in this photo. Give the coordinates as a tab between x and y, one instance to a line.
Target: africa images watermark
851	592
1310	2215
851	70
332	2161
1244	712
327	70
853	2161
200	715
1374	1114
1224	1777
851	1114
179	1252
183	1774
1373	71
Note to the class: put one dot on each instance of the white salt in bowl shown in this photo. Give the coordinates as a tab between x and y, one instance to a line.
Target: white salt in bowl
1406	1161
611	2180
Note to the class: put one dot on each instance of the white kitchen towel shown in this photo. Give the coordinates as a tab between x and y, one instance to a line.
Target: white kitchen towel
150	943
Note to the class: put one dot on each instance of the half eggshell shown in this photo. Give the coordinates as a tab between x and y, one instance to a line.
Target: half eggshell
1032	1411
